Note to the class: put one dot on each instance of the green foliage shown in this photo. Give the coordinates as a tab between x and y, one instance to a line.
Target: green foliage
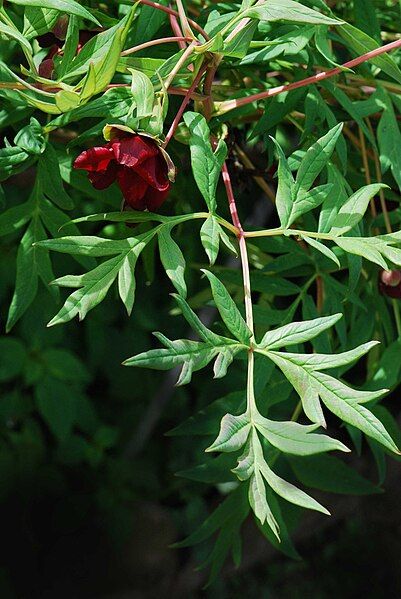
271	302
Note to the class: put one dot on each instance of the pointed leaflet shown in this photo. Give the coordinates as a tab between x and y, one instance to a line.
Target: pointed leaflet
210	238
172	259
27	274
285	188
258	502
320	247
234	431
228	310
290	492
374	249
306	201
206	163
338	397
316	159
297	332
126	281
297	439
283	488
361	43
354	208
191	355
196	324
288	10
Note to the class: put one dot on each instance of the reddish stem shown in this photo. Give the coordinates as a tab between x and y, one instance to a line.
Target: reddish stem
175	26
186	100
231	200
171	11
274	91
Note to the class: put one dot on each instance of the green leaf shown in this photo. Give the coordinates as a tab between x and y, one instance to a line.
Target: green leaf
143	93
27	274
103	51
228	310
204	333
288	10
172	259
126	281
297	439
70	7
210	238
316	159
234	431
285	189
343	401
31	138
307	201
38	21
389	139
206	163
258	502
14	34
290	492
191	355
361	43
354	208
50	179
297	332
320	247
328	473
375	249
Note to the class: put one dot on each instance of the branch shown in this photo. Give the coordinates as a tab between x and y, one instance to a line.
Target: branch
275	91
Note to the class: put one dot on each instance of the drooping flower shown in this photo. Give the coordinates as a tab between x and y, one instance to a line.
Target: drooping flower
142	169
390	283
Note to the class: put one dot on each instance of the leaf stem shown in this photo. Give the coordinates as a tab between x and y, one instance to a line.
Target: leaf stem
162	40
186	100
274	91
181	61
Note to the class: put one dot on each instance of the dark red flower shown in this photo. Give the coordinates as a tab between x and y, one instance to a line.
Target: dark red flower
141	168
390	283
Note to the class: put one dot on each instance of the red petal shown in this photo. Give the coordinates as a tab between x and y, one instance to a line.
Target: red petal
131	151
103	179
133	187
154	199
95	159
154	171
